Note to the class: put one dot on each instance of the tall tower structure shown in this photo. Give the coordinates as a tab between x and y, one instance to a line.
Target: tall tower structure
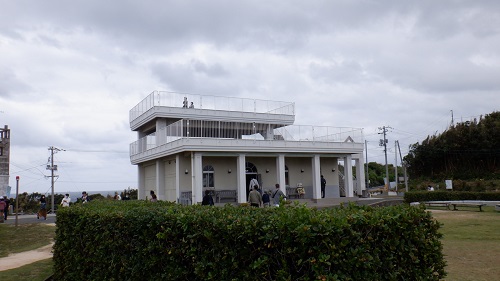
4	160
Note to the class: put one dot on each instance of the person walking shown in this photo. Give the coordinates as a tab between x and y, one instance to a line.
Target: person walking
253	182
85	197
6	209
65	201
43	208
266	199
207	199
153	196
277	195
323	186
2	207
254	197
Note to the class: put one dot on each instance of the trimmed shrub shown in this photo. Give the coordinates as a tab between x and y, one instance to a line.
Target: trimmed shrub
422	196
137	240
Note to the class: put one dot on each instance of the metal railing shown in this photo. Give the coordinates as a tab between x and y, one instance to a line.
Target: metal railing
230	130
172	99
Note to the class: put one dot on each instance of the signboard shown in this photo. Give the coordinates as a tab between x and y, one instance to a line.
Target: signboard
449	184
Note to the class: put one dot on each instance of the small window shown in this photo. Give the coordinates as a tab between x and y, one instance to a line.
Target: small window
208	176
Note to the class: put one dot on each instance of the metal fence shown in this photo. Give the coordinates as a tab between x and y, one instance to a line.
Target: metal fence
172	99
232	130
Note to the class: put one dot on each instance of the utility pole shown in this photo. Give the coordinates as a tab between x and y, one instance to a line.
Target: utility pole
404	167
396	164
452	122
52	168
383	142
366	161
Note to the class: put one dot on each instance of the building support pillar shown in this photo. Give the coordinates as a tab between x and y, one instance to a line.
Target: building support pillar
196	177
360	174
160	135
348	176
160	179
241	178
280	170
141	183
316	177
177	178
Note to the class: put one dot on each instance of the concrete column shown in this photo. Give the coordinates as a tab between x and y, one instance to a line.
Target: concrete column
197	176
348	176
160	135
177	178
269	133
360	173
160	179
141	183
241	178
280	170
316	176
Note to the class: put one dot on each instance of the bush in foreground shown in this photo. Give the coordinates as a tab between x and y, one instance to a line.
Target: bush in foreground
162	241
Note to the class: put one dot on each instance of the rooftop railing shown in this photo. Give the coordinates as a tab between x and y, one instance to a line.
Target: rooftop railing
231	130
172	99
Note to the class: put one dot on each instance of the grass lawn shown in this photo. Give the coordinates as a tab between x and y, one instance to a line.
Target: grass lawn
471	243
38	271
24	237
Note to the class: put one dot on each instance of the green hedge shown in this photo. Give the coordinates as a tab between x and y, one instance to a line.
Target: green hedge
138	240
422	196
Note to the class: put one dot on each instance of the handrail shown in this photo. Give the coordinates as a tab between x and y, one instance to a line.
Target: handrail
230	130
173	99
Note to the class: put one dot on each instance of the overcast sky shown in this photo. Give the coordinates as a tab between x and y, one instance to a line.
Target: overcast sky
70	71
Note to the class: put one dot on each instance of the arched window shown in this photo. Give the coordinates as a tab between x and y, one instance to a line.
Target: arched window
250	168
208	176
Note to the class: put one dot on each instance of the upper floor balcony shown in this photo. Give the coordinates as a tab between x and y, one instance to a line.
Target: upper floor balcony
161	104
231	136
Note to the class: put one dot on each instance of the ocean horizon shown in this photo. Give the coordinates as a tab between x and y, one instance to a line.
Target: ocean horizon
74	195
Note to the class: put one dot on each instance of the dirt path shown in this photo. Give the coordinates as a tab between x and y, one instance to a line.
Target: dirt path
24	258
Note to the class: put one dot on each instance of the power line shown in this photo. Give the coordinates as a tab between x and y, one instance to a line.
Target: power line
96	151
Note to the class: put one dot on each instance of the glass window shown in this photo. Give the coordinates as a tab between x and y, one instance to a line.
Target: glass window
208	176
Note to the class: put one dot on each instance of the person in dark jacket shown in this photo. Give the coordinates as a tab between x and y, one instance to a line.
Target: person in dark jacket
323	186
207	199
6	209
266	199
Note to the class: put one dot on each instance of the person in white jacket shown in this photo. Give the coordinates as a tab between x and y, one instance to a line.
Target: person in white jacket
66	200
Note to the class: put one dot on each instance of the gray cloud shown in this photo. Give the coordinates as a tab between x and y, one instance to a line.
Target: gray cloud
71	72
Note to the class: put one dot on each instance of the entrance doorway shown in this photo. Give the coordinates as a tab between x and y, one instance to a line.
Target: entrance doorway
251	173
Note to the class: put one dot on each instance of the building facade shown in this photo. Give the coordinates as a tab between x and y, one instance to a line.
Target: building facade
187	144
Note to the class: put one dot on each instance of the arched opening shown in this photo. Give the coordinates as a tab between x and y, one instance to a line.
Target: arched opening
208	176
251	173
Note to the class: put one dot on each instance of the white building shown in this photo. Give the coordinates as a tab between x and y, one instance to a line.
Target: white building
222	143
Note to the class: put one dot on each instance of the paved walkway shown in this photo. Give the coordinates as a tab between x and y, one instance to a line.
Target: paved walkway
20	259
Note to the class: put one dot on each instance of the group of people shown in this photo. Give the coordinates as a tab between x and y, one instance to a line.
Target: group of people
256	197
185	103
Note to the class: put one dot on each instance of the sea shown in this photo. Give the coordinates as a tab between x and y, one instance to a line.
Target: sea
74	195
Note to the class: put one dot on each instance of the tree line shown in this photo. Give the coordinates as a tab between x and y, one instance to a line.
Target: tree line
467	150
30	203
